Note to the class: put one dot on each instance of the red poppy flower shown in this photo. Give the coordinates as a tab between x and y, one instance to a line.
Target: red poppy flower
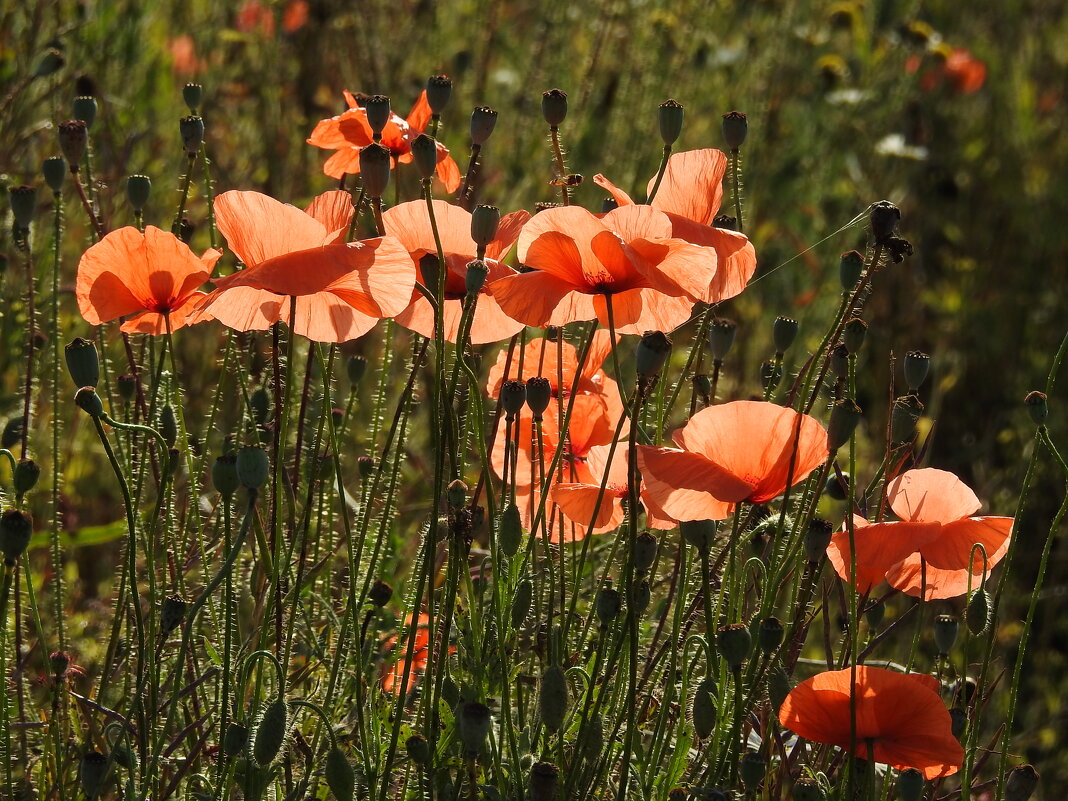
933	538
341	290
410	223
581	260
900	717
145	275
349	132
690	195
391	678
733	452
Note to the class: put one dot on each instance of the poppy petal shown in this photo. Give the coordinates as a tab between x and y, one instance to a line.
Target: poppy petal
687	486
952	549
930	495
692	186
258	227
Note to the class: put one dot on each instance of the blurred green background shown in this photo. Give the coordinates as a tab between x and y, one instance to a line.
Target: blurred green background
955	112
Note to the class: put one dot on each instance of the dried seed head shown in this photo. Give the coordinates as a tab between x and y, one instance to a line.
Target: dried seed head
192	130
378	113
784	332
193	95
73	138
425	155
670	115
84	108
438	92
917	365
721	335
138	190
483	120
54	170
375	164
735	129
554	106
16	530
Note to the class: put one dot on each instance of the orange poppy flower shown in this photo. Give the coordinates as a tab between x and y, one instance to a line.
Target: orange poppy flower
733	452
899	716
581	260
932	540
349	132
410	223
341	290
690	195
145	275
391	678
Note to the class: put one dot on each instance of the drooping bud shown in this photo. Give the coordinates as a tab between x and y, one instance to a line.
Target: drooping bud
474	725
475	277
425	155
1021	783
27	472
544	778
945	633
721	337
554	106
23	201
340	777
553	698
513	396
845	414
703	708
977	613
378	113
853	334
910	785
510	533
817	538
484	223
770	634
253	467
192	131
670	116
54	170
778	686
735	128
92	772
522	599
235	738
89	402
849	269
193	95
84	108
917	365
539	393
270	732
375	162
654	349
483	120
172	613
438	92
16	531
784	332
73	138
734	643
1037	406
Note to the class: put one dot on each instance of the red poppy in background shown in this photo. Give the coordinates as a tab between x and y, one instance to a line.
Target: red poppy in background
150	276
733	452
933	540
690	195
628	255
341	289
391	678
410	223
900	717
349	132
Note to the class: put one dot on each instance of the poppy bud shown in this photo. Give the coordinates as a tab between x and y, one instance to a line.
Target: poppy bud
365	465
778	686
224	475
808	790
539	393
703	708
853	334
1037	406
591	736
609	603
917	365
235	738
25	477
16	530
375	162
124	756
554	106
474	725
88	401
73	138
270	732
699	533
721	337
845	414
83	363
378	113
817	538
544	777
734	643
670	115
834	488
874	614
54	170
640	595
735	128
84	108
356	368
340	777
418	749
840	360
192	94
12	432
172	613
849	269
484	222
50	63
513	396
475	277
168	425
644	552
945	633
653	351
23	200
252	467
726	222
770	374
910	785
438	92
752	768
884	217
92	771
784	331
521	601
552	698
1021	783
904	415
977	613
770	634
510	532
138	190
192	131
425	155
259	405
483	119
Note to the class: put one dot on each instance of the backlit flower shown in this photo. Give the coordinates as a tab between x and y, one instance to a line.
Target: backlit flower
391	678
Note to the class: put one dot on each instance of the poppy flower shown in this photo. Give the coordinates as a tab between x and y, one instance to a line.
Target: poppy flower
733	452
628	255
900	717
690	194
341	290
933	539
145	277
410	224
350	132
392	677
957	67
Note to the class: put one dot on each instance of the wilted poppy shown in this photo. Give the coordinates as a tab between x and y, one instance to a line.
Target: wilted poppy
690	194
933	540
341	290
733	452
900	718
349	132
628	255
410	224
150	276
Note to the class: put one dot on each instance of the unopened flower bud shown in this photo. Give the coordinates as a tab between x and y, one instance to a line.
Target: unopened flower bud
425	155
703	709
172	613
850	267
778	686
917	365
474	725
735	128
1021	783
438	92
670	115
539	393
977	613
16	530
884	217
845	414
522	599
92	772
339	775
235	738
721	337
23	201
483	120
259	405
54	170
544	778
910	785
654	349
853	334
484	223
378	113
475	277
88	401
554	106
271	731
513	396
418	749
73	138
380	594
192	131
1037	406
356	369
510	532
253	467
553	698
138	190
27	472
817	538
770	634
734	643
945	633
192	94
784	332
752	768
375	163
84	108
609	603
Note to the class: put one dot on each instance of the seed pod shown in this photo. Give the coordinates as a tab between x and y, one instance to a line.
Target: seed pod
554	106
734	643
850	267
138	190
884	217
510	531
521	601
83	363
608	603
735	129
845	414
16	531
654	349
808	790
380	594
192	131
54	170
378	113
645	547
438	92
375	163
770	634
699	533
27	472
474	724
1037	406
778	686
270	732
640	595
23	200
224	475
418	749
539	393
73	139
784	332
977	614
483	120
252	467
513	396
945	633
853	334
670	115
88	401
235	738
366	466
703	709
544	777
193	95
168	425
425	155
172	613
1021	783
752	767
484	223
917	365
92	772
910	785
475	277
553	698
340	777
84	108
721	335
840	360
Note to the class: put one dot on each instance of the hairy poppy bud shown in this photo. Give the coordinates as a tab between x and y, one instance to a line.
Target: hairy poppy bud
884	217
721	337
608	603
853	334
945	633
438	92
425	155
192	94
522	599
168	425
904	415
340	777
735	128
553	698
977	613
784	332
917	365
138	190
1037	406
224	475
88	401
752	768
1021	783
83	363
645	547
16	530
770	634
234	738
699	533
92	772
192	131
510	532
172	613
270	732
958	721
380	594
640	595
850	267
252	467
703	708
23	200
539	393
50	63
734	643
513	396
475	277
73	138
654	349
554	106
778	686
770	375
817	538
378	113
484	223
84	108
544	777
375	163
845	414
418	749
27	472
910	785
483	120
474	724
670	115
54	170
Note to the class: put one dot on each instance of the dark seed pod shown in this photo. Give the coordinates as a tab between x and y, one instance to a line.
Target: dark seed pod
735	129
89	402
172	613
654	349
845	414
853	334
168	425
438	92
778	686
484	223
958	720
16	531
474	723
138	190
645	547
192	131
917	366
544	778
483	121
27	473
356	368
904	415
366	466
945	633
378	113
850	268
539	393
770	634
92	772
699	533
784	332
608	603
513	396
808	790
670	115
553	698
84	108
752	768
703	709
734	643
380	594
83	363
270	732
235	738
1038	407
721	335
340	777
554	106
425	155
375	163
252	467
884	217
475	277
910	785
23	202
510	532
640	595
193	95
73	139
418	749
54	170
224	475
1021	783
521	601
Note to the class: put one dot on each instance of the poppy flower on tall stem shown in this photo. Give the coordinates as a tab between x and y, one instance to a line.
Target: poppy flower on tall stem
901	720
151	278
300	271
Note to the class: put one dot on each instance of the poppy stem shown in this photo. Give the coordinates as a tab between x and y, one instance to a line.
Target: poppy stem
736	186
31	334
660	174
183	194
561	169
